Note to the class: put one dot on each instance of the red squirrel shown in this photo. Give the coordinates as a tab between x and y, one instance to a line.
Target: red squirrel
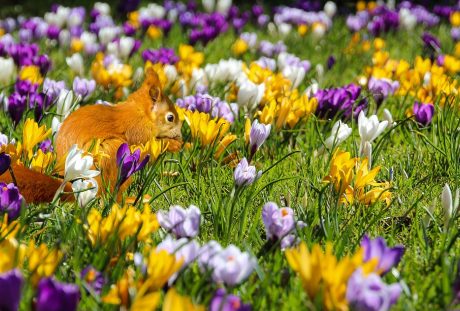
146	114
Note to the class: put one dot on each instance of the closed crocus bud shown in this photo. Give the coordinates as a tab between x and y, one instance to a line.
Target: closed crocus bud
64	104
250	94
423	113
183	223
245	174
295	74
8	70
278	222
85	191
369	128
75	62
171	73
11	200
447	204
55	125
388	117
5	162
319	71
126	46
258	134
330	8
319	30
340	131
367	153
78	166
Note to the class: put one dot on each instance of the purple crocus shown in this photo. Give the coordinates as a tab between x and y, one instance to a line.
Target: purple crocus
183	223
46	146
279	223
128	162
10	200
204	102
93	278
10	289
431	42
83	87
245	174
377	249
341	100
423	113
5	162
162	55
221	301
54	296
369	292
52	88
382	88
330	62
16	105
259	133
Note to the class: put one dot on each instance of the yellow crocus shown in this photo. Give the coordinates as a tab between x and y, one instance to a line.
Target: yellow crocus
161	265
239	47
176	302
189	60
42	261
32	134
31	73
455	19
154	32
302	29
204	129
223	144
41	161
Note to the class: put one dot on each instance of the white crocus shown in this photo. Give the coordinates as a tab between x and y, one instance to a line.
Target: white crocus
8	70
284	29
250	94
75	62
171	73
340	132
223	6
447	204
64	104
407	19
107	34
125	46
312	89
85	191
198	78
78	165
55	125
208	5
295	74
369	128
102	7
367	152
319	30
330	8
388	117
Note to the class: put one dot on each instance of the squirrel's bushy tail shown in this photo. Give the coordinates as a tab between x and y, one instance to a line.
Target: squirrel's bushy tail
35	187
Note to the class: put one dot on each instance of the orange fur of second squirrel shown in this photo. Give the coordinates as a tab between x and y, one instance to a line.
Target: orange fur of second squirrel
146	114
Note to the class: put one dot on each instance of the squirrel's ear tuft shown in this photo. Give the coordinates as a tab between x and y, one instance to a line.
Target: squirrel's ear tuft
151	78
155	93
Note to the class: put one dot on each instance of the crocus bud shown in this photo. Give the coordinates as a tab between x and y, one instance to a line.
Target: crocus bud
367	152
447	205
330	8
85	191
75	62
388	117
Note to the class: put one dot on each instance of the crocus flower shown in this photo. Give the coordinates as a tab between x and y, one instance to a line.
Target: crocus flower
128	162
431	42
64	104
10	289
184	250
5	162
54	296
10	200
221	301
423	113
278	221
93	278
340	131
387	257
330	62
447	204
85	190
46	146
342	100
245	174
183	223
75	62
8	69
208	251
369	292
78	166
258	134
382	88
369	128
52	88
231	266
83	87
250	94
17	103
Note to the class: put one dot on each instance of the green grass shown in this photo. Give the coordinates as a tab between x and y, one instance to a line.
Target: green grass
420	168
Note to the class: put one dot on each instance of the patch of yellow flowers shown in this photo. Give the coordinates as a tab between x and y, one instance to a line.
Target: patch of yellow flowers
353	180
322	273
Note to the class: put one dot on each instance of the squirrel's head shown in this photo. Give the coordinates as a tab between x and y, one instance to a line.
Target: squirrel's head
160	108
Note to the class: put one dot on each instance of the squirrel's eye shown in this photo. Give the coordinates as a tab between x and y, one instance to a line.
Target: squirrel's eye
170	117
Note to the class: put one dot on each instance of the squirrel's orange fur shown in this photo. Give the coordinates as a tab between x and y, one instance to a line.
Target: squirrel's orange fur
146	114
